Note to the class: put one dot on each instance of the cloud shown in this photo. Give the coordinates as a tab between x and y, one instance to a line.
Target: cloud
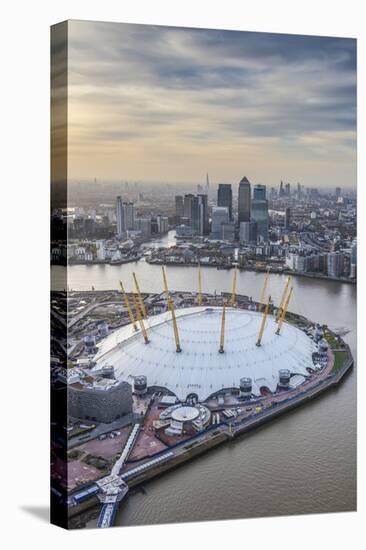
141	93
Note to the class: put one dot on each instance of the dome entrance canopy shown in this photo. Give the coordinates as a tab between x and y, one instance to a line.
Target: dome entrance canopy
200	369
185	414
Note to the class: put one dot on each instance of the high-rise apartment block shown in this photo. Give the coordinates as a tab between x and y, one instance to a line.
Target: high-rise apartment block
225	197
248	232
220	216
125	214
120	215
259	212
179	208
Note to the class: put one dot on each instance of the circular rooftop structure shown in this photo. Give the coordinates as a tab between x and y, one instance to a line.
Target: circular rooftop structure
185	414
200	369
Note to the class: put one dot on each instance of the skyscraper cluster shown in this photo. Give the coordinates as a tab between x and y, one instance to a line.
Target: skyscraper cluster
251	224
192	211
252	219
285	190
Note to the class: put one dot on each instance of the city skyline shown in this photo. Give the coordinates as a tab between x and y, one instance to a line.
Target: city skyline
167	104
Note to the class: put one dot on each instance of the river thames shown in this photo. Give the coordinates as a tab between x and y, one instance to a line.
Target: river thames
303	462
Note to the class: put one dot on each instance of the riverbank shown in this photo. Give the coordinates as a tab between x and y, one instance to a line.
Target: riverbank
230	430
216	435
273	270
105	262
326	447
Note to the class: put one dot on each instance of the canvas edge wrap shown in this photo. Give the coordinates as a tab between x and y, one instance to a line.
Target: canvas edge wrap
58	236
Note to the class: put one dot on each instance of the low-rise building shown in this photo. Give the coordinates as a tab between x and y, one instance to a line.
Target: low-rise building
104	400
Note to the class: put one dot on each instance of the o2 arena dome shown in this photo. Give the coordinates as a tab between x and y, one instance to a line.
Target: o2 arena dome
200	368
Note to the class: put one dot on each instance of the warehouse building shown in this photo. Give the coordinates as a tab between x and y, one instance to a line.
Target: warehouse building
104	400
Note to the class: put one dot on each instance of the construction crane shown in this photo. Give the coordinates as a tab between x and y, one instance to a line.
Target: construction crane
263	324
178	349
222	335
199	297
261	304
283	315
280	307
233	292
140	320
128	306
142	305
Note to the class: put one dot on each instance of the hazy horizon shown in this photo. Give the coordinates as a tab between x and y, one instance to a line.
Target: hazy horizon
153	103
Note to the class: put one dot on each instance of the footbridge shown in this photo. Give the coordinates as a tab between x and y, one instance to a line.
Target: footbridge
112	489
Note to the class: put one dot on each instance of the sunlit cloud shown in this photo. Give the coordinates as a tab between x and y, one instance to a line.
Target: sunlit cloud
168	104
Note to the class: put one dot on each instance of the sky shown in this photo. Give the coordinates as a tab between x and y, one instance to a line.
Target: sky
150	103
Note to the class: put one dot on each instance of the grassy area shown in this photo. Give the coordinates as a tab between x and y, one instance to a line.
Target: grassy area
332	341
293	321
339	359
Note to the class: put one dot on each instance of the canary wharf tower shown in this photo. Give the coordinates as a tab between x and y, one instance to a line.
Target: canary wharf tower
244	200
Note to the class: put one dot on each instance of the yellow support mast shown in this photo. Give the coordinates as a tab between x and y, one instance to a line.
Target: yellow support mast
178	349
199	297
283	315
233	292
165	285
263	324
222	335
128	306
142	305
261	304
140	320
280	308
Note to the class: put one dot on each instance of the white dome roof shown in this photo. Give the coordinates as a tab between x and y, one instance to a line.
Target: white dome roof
199	368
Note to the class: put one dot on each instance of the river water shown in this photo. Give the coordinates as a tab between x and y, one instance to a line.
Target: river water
303	462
